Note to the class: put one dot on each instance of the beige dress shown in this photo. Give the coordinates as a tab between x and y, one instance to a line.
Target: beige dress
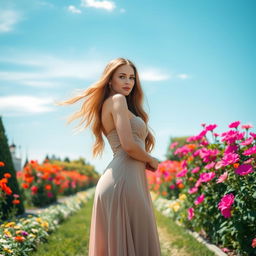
123	221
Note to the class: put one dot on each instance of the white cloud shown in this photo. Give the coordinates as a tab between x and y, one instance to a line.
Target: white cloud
107	5
73	9
8	18
49	67
153	75
183	76
14	105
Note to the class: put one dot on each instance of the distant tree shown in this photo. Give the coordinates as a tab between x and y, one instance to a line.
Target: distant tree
66	159
5	156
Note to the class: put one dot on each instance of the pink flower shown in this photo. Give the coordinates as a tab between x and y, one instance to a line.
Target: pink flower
211	127
225	205
173	145
247	126
218	165
182	173
209	166
216	134
184	164
247	141
225	249
203	124
249	161
198	183
253	135
244	169
207	176
222	177
193	190
199	199
178	181
234	124
191	213
230	158
254	243
250	151
195	170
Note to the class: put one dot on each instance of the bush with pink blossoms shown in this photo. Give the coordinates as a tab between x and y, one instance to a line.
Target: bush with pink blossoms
219	181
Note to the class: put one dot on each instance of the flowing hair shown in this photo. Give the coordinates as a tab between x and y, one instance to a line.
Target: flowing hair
94	97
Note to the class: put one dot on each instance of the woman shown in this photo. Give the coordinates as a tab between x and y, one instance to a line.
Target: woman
123	221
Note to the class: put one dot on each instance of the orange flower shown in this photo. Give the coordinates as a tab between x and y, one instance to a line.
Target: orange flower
48	187
2	164
15	201
164	193
7	175
25	185
180	185
19	238
236	165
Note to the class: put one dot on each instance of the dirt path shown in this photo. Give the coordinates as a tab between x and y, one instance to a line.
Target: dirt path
166	240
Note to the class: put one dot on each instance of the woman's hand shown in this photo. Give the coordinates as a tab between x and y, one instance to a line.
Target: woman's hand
152	165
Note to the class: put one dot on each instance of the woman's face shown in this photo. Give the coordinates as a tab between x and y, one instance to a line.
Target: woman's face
123	80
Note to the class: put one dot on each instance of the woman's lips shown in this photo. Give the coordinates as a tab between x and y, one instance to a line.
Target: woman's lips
126	88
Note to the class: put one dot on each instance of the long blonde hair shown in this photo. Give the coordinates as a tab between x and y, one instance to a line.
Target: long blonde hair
95	95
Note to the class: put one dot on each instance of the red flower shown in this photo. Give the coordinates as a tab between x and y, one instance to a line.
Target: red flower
19	238
25	185
34	189
15	201
7	175
2	164
48	187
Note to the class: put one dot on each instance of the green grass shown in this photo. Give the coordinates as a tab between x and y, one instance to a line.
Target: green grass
71	238
180	239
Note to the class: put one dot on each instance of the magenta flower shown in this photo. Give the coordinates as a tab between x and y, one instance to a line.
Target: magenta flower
191	213
195	170
247	141
244	169
208	155
225	205
230	158
24	233
216	134
232	136
49	194
234	124
207	176
210	127
250	151
199	199
222	177
193	190
253	135
231	148
172	186
247	126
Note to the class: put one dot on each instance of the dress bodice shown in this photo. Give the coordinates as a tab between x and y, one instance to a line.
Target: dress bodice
139	131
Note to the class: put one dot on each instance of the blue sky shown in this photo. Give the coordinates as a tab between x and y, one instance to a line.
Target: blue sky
196	60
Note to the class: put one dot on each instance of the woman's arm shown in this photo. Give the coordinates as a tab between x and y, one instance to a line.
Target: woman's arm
122	123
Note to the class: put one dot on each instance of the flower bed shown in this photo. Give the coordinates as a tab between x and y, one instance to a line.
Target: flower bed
42	183
23	235
218	184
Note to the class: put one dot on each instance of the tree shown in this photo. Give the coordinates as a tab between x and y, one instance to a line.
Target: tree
5	156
